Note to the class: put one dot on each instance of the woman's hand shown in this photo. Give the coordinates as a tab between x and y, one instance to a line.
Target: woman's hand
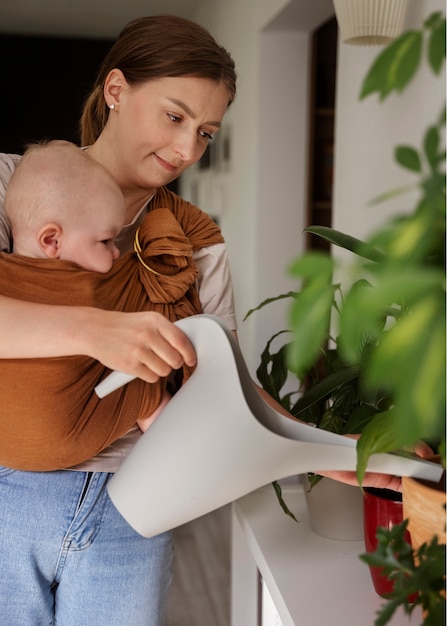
145	345
379	481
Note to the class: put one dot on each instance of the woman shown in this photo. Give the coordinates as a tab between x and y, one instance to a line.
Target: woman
67	555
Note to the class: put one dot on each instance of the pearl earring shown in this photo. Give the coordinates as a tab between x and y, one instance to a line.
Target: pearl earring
111	107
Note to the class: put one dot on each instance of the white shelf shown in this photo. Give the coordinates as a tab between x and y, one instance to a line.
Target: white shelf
312	580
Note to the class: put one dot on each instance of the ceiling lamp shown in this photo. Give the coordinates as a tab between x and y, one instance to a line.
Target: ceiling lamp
370	22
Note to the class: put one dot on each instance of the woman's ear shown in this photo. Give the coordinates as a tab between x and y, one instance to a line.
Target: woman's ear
113	87
49	239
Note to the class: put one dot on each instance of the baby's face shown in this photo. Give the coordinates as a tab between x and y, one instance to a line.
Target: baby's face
90	241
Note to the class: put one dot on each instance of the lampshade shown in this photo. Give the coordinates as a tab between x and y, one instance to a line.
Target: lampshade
370	22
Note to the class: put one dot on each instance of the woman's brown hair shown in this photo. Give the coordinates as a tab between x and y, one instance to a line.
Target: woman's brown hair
155	47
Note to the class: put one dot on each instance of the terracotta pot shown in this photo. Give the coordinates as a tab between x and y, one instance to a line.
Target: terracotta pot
335	509
381	508
424	507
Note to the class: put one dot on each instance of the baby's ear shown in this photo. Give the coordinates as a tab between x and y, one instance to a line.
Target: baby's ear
49	239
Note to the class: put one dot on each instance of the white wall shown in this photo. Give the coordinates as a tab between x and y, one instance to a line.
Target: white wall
233	195
368	131
260	198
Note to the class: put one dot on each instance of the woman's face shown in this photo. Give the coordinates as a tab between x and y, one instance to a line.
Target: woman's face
160	128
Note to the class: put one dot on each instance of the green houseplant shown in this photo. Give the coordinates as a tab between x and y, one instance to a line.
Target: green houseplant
396	304
391	319
328	392
380	341
327	395
416	572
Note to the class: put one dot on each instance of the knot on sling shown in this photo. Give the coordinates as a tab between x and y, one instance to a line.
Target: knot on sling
165	268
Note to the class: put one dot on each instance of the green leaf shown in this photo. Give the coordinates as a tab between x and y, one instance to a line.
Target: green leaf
347	242
310	318
413	355
431	146
419	574
395	66
360	321
436	47
433	20
272	370
282	503
324	388
389	195
365	308
408	157
380	435
332	423
279	370
407	60
411	239
393	551
290	294
310	314
359	418
313	266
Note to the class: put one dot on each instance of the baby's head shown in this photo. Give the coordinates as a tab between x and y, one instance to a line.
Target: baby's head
62	204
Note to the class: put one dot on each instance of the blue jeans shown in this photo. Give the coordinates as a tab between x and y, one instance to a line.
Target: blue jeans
67	557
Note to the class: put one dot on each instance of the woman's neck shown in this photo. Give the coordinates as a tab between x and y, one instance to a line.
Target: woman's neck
135	203
134	209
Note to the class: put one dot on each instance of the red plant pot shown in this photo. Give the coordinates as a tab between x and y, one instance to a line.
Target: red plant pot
381	507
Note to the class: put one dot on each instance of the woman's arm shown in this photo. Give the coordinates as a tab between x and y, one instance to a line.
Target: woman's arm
145	345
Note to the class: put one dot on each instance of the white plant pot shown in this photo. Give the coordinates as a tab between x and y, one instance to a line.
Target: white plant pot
370	22
335	509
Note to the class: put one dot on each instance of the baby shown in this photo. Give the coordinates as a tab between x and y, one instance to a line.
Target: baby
62	204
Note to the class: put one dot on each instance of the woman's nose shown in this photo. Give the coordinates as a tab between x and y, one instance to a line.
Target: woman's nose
186	145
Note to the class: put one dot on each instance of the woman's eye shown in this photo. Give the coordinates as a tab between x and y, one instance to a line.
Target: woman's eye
174	118
206	135
178	120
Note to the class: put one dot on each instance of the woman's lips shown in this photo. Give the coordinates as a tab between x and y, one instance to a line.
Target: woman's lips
166	164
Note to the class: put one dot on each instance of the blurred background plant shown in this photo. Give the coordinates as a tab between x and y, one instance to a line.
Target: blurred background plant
419	575
390	322
391	318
